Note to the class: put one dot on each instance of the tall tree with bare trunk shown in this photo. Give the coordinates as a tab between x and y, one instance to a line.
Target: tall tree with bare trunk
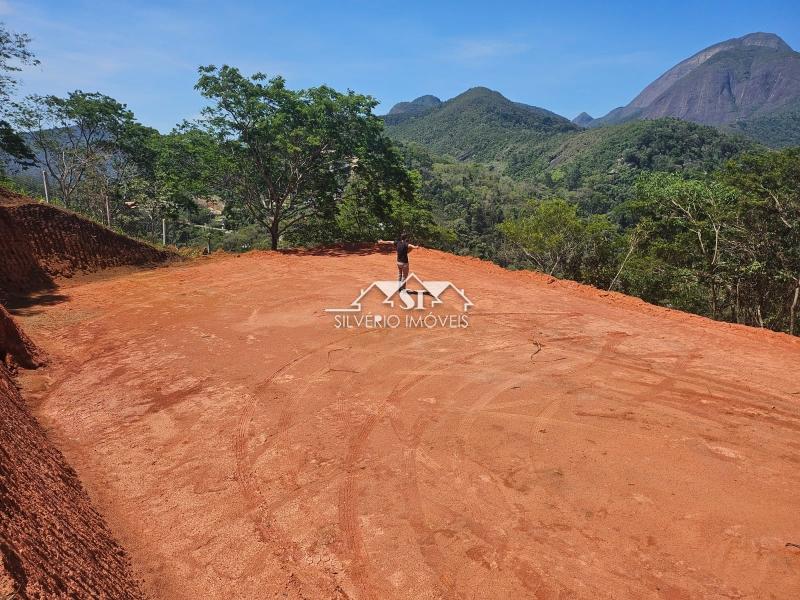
293	151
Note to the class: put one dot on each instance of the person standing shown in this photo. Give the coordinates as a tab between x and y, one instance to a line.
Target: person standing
403	248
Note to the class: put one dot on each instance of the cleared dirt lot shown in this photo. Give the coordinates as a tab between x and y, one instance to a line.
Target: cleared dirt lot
564	445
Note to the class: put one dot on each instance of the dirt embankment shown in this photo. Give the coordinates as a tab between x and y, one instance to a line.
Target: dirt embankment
53	543
39	242
16	348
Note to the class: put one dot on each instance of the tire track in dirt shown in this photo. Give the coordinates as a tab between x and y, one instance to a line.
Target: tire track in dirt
348	511
348	507
351	531
426	538
285	423
277	542
285	420
241	439
664	385
348	494
608	353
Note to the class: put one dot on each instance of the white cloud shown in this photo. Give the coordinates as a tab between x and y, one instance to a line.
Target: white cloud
485	49
6	8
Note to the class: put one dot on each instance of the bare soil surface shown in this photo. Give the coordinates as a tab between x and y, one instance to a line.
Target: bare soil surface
53	542
16	348
567	444
40	242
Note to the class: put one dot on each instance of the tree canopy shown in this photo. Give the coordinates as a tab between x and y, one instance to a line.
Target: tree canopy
293	152
72	135
14	53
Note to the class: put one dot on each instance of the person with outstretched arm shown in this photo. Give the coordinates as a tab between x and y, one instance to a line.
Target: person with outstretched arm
403	248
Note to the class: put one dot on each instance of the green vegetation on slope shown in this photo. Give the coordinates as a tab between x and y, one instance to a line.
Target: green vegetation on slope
480	125
598	167
680	214
780	129
594	167
724	244
658	145
531	144
468	200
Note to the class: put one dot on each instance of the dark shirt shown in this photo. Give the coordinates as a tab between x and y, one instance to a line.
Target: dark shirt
402	251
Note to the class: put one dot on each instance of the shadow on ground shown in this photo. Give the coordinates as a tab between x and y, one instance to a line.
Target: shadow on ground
25	304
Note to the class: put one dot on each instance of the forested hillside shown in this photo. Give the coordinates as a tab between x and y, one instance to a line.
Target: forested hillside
524	142
480	125
779	129
598	167
680	214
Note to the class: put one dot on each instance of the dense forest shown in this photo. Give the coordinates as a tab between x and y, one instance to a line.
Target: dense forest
682	215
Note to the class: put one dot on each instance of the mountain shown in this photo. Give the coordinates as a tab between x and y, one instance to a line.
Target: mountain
526	143
406	110
739	80
583	119
479	124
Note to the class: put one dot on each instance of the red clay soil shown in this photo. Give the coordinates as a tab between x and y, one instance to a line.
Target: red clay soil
567	444
16	348
39	242
53	543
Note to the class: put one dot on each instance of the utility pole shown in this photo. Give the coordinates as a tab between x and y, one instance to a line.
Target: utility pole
164	232
46	193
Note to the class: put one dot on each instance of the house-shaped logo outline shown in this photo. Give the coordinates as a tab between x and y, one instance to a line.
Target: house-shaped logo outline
392	288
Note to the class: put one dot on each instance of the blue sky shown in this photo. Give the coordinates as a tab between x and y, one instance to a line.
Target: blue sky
564	56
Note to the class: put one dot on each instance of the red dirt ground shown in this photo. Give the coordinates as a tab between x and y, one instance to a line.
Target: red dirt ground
16	348
39	242
567	444
53	542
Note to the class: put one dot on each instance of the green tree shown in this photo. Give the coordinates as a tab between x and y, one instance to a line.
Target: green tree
695	218
12	144
356	216
14	53
769	240
551	236
72	136
161	176
291	152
